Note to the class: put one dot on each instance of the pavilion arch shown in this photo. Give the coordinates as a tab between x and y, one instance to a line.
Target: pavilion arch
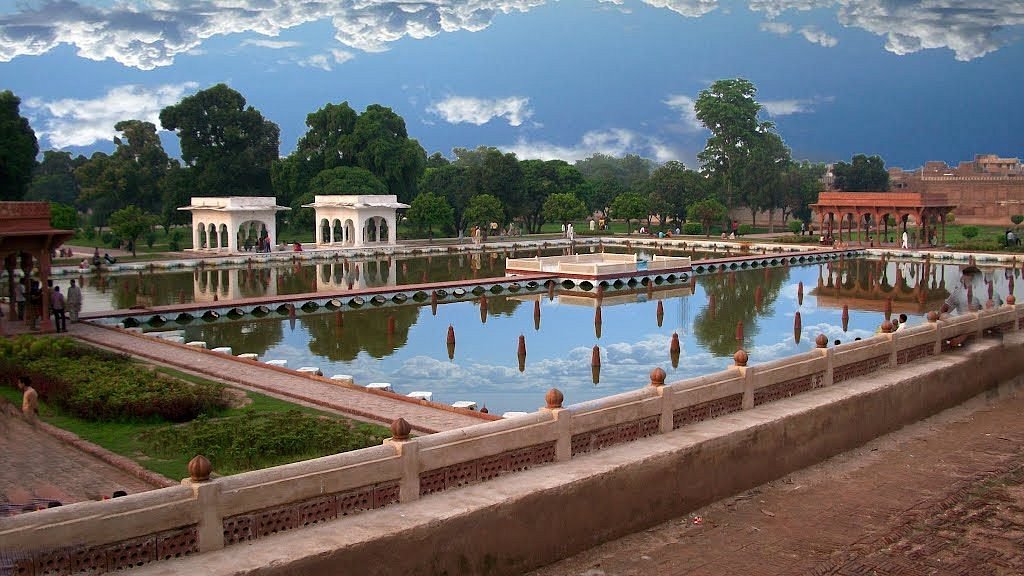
865	207
229	222
362	220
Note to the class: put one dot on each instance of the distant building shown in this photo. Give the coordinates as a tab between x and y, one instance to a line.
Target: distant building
986	190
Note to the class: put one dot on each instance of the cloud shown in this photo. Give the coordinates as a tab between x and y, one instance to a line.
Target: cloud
786	107
326	61
72	122
780	28
479	111
272	44
688	8
613	142
815	35
684	106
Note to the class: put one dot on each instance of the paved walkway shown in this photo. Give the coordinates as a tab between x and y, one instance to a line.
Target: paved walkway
281	383
41	467
942	497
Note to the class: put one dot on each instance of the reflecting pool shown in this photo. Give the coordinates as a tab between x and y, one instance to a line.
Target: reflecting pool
485	367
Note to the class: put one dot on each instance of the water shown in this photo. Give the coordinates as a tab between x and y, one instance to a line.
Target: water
485	366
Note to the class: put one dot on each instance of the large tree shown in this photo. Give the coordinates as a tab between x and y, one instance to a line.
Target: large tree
490	171
429	210
484	209
541	179
801	185
18	148
451	182
728	109
626	171
863	174
761	175
381	145
707	212
630	206
334	182
230	146
53	179
564	207
131	223
672	188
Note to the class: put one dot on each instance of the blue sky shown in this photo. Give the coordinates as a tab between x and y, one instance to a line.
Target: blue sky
909	80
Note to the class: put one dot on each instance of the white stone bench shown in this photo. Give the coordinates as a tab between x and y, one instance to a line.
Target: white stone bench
196	344
310	370
223	350
346	378
281	363
514	414
467	404
250	356
385	386
421	395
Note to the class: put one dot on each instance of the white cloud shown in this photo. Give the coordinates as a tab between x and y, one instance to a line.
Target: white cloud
326	61
780	28
479	111
72	122
272	44
786	107
614	142
815	35
688	8
684	106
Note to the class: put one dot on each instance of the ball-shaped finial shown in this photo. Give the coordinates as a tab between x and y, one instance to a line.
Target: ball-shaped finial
554	398
657	377
1011	300
741	357
400	429
199	468
886	327
484	410
821	341
933	316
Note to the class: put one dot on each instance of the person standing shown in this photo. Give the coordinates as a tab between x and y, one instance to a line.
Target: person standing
74	300
57	304
905	240
35	305
19	297
29	397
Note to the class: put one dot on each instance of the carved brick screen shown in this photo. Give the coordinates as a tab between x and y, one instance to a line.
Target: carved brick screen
244	527
858	369
109	557
707	410
946	346
788	388
615	434
915	353
486	468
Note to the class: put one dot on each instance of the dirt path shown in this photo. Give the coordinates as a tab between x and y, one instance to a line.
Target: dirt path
942	497
379	408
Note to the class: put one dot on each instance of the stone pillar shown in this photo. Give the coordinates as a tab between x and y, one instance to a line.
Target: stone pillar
45	325
195	235
360	225
210	529
408	451
10	264
393	230
232	235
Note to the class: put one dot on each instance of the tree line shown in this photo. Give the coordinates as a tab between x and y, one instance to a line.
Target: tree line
228	148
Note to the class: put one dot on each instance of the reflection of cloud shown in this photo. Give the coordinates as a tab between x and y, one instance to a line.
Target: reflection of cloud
613	142
479	111
815	35
684	106
147	34
70	122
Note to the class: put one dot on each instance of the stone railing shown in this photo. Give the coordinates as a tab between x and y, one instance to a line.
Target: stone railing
206	514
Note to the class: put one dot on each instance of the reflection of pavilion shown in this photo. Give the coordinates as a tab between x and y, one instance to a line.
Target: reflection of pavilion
613	297
915	287
356	220
225	224
233	283
357	275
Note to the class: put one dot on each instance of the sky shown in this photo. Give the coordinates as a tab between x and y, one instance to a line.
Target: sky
909	80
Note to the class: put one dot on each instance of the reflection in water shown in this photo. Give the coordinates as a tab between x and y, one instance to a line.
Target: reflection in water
733	298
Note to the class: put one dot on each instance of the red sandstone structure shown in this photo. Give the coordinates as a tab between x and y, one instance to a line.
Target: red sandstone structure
866	210
26	239
986	190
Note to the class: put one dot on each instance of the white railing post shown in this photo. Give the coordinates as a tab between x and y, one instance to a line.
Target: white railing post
563	424
408	451
210	525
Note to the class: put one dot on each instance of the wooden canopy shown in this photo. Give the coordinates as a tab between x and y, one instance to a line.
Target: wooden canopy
27	240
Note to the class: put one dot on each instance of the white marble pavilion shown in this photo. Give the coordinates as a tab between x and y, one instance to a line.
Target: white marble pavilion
356	220
234	222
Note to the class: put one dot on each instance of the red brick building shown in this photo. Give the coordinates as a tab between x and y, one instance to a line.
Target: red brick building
986	190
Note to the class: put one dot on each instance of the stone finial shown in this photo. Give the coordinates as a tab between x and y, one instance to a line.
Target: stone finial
886	327
657	377
1011	300
199	468
741	357
400	429
554	398
484	410
821	341
933	316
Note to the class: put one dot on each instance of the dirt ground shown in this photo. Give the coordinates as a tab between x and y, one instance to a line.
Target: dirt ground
942	497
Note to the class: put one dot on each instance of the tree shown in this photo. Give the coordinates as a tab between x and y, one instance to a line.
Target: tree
672	188
336	181
626	171
452	183
1017	219
489	171
18	148
63	216
175	191
728	109
863	174
53	179
761	174
380	144
230	146
541	179
707	212
484	209
437	160
131	223
428	210
629	206
801	186
564	208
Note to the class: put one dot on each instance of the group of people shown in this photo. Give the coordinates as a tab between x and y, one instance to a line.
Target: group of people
28	301
260	244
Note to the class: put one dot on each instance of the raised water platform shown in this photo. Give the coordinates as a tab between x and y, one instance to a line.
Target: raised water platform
598	266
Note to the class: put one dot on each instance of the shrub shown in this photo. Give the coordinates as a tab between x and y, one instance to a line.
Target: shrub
174	243
89	232
150	238
693	228
100	386
106	238
745	229
969	232
795	226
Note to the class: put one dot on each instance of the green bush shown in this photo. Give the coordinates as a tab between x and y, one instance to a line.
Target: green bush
150	238
89	232
745	229
174	242
795	226
252	440
100	386
969	232
693	228
106	237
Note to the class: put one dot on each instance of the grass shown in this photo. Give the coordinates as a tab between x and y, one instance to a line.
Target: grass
135	440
